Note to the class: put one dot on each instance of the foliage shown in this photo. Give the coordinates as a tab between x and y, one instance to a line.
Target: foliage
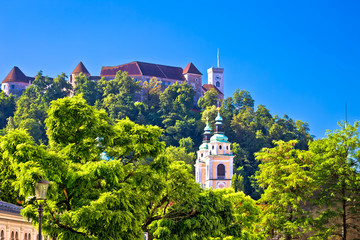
152	91
247	215
286	175
87	87
117	198
31	107
7	108
337	169
179	121
207	215
180	154
251	130
117	96
209	99
7	177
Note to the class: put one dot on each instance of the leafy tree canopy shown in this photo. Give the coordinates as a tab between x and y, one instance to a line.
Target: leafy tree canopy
100	185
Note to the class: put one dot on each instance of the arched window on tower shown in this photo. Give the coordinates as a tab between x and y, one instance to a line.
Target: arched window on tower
16	236
12	236
2	236
221	171
218	84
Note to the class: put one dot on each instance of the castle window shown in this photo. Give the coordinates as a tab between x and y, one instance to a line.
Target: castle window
217	84
221	171
202	155
12	86
16	236
2	236
196	79
213	147
227	147
25	236
220	147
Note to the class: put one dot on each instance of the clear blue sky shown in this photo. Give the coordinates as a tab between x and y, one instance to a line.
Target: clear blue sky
300	58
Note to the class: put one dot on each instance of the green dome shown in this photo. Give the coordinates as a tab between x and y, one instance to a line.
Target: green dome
204	146
207	128
218	118
219	137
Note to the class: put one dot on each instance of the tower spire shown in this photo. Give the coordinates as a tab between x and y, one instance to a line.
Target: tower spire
207	131
218	123
218	58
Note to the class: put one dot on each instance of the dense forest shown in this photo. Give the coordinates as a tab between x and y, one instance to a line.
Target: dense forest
285	184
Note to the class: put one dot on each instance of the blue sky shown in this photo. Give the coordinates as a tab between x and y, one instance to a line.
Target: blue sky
300	58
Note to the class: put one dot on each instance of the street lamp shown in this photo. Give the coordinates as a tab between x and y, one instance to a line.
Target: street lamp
41	188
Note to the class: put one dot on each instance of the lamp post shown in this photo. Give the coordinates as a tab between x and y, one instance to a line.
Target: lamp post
41	188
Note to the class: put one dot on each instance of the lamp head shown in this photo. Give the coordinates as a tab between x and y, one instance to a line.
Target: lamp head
41	188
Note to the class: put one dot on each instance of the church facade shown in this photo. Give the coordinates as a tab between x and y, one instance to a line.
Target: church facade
214	163
13	226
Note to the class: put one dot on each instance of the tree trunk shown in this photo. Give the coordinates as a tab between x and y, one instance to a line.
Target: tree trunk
344	228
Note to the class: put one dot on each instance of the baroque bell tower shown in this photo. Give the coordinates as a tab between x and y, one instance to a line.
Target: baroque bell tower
214	163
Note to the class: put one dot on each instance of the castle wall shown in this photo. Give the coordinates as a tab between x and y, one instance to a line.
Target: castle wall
15	88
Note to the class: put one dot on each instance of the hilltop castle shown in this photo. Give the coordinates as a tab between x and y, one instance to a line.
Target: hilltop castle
16	81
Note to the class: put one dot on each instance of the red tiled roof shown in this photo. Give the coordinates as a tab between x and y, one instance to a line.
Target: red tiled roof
190	68
207	87
16	75
80	68
145	69
132	69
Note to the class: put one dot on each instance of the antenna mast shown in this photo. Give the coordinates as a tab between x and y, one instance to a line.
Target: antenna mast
345	114
218	58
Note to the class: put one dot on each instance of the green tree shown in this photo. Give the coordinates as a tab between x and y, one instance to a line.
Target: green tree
337	169
209	99
242	98
247	215
57	88
179	121
30	114
117	198
31	107
152	91
180	154
286	176
86	87
188	144
7	178
7	108
117	96
206	216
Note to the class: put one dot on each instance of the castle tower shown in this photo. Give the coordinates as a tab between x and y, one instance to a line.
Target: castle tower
80	68
15	82
214	164
193	76
216	78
